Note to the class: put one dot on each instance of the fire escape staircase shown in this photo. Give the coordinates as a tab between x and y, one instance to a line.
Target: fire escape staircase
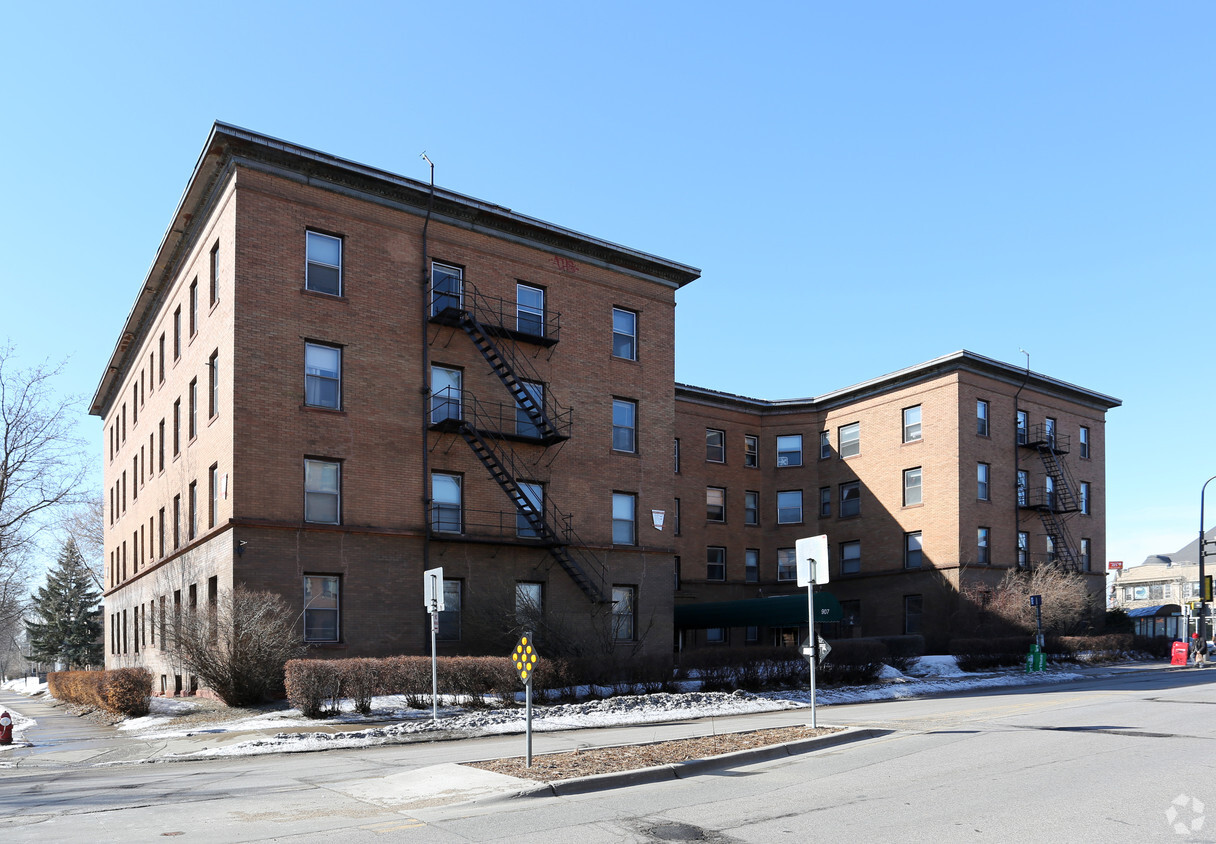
548	423
1058	505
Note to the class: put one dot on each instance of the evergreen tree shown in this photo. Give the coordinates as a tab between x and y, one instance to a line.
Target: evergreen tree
70	629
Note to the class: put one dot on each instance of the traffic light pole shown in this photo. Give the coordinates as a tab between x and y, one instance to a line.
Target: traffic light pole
1203	604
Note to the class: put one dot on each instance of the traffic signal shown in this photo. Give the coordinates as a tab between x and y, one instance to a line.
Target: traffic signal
1206	588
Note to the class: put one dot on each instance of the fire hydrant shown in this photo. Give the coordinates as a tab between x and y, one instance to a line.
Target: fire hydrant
6	728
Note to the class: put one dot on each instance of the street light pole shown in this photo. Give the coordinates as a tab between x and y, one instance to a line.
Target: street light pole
1203	604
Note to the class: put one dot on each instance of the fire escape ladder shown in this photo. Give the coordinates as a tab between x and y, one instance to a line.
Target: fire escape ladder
1063	545
1065	488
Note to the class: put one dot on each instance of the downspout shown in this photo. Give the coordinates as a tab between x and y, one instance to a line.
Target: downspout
425	390
1017	457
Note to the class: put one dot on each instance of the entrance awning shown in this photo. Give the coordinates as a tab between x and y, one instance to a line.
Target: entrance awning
778	611
1154	612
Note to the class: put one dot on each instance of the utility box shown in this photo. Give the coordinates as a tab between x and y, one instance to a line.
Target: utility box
1036	660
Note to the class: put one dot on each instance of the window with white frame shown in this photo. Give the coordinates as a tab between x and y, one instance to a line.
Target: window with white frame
912	494
321	608
715	504
850	499
751	508
751	451
1049	431
624	334
789	507
447	508
715	563
849	438
525	425
322	491
1023	425
913	552
446	394
529	310
532	505
1049	491
450	620
322	376
751	565
624	518
787	564
1084	438
715	445
529	603
1023	486
825	445
911	424
850	557
624	425
981	541
981	481
1023	549
1085	560
1085	498
323	271
447	287
789	450
981	417
624	602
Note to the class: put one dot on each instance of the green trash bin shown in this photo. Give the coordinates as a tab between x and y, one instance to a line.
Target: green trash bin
1036	660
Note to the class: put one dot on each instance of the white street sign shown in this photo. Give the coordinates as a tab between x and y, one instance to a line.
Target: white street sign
432	589
812	559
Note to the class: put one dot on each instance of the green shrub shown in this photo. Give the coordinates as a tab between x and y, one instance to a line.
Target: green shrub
852	662
980	654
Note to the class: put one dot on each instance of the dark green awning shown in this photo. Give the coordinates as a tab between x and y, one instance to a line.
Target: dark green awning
779	611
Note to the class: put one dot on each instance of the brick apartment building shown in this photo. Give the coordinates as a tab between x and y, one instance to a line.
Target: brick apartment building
925	481
335	378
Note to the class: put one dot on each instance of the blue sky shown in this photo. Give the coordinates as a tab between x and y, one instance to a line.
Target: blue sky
865	186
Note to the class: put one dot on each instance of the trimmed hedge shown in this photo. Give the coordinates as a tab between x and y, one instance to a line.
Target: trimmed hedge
123	691
992	652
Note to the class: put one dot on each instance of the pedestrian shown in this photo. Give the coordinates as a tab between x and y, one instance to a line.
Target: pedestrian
1200	649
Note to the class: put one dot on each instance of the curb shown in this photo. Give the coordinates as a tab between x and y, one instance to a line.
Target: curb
694	767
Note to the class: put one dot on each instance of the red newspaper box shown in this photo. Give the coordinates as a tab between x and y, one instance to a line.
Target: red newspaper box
1178	653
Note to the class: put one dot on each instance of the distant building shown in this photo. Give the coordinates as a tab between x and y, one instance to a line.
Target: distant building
1154	592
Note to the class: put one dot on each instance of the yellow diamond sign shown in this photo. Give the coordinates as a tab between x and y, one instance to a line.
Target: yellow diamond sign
524	658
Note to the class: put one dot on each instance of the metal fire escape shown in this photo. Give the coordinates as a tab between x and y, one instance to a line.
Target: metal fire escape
1055	500
491	429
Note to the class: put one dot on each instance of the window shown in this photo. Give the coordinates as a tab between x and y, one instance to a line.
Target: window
825	445
751	451
624	334
215	273
850	557
624	425
525	422
913	610
450	618
322	376
981	417
787	564
624	599
1049	491
715	635
825	502
912	494
1051	549
751	508
1023	427
1085	498
213	376
1023	485
533	505
715	446
715	563
981	550
751	565
177	333
447	288
676	519
529	603
446	504
849	438
715	504
1084	438
1085	561
850	499
160	533
323	268
161	371
913	555
623	518
321	608
1023	549
213	488
445	394
789	507
177	522
981	481
160	451
194	307
789	450
529	310
177	427
322	483
676	454
1049	431
192	416
911	424
192	525
751	634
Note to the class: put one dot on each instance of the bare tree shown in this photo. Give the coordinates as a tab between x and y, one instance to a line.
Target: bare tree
1067	605
41	467
86	525
238	646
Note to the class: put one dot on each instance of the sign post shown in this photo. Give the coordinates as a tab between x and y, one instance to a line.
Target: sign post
524	658
811	559
432	596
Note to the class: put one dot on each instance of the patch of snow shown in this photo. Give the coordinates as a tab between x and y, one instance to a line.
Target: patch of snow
936	666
